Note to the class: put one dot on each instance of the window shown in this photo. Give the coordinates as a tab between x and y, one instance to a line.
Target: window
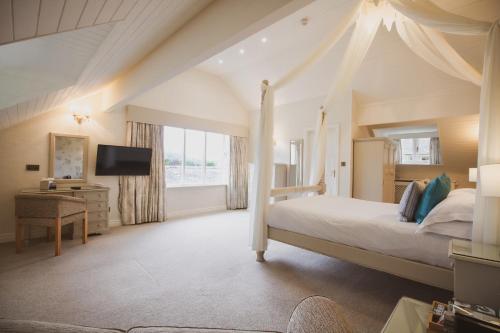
195	157
416	151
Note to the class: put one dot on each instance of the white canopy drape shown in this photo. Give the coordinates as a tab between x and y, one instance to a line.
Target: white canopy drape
417	22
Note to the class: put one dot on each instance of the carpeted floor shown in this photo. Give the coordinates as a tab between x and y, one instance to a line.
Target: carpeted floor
189	272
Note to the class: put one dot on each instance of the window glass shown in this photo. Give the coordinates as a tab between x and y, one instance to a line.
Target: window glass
195	157
415	151
217	158
174	154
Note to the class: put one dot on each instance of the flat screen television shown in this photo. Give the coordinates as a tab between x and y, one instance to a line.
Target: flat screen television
122	161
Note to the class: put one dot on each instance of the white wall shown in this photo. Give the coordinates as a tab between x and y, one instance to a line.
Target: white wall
208	103
291	121
28	143
195	94
198	94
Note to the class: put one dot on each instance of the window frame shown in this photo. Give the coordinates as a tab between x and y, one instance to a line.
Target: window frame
204	173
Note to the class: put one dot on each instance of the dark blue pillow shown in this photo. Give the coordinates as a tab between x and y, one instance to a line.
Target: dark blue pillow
434	193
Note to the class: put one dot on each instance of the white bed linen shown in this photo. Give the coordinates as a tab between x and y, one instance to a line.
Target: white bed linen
369	225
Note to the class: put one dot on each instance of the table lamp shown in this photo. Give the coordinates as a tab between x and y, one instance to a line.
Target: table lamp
490	180
472	175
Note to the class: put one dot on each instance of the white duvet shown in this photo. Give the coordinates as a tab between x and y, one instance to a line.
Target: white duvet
369	225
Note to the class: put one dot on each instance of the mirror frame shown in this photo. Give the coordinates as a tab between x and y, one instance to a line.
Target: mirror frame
52	156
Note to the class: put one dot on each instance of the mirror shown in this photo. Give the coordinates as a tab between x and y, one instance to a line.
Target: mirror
296	165
68	158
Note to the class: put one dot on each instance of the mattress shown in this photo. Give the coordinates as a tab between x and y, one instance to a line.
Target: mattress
369	225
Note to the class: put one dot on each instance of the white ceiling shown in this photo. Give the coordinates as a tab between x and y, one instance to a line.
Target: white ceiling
24	19
390	70
39	74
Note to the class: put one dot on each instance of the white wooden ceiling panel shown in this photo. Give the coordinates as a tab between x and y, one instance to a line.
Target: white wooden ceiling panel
98	54
108	11
50	12
6	25
72	11
123	11
89	15
25	18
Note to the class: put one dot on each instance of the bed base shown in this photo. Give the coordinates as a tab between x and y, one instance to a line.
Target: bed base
428	274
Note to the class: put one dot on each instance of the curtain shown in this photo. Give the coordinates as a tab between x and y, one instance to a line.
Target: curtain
263	164
237	190
431	46
263	170
142	198
486	225
398	152
435	151
319	149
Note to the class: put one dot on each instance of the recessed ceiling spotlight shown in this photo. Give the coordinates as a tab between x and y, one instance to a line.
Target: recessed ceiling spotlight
263	39
242	51
220	61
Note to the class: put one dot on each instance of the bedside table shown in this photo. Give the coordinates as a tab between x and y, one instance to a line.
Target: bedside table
409	316
476	272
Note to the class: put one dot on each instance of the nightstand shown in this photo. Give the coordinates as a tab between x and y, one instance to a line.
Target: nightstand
476	272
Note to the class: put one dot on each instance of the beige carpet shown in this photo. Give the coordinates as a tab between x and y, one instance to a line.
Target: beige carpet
193	272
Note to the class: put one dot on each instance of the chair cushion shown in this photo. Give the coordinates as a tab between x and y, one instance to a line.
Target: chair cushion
434	193
318	314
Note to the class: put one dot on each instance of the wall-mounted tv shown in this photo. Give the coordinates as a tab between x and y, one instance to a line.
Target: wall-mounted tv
122	161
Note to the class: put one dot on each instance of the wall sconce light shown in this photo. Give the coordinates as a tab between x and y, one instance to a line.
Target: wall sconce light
80	114
472	175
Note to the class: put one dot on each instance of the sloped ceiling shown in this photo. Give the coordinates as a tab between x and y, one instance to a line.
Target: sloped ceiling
25	19
41	73
389	71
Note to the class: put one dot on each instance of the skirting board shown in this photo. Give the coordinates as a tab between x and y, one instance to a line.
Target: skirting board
115	223
431	275
191	212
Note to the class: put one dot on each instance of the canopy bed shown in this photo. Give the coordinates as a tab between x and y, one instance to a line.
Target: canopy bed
420	24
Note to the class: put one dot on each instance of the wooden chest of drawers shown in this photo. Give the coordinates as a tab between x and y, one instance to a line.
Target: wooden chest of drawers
97	205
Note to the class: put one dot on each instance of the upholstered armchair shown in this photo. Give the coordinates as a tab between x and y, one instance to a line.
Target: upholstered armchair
49	211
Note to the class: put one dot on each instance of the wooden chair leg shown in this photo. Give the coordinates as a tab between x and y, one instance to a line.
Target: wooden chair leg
85	227
19	236
48	234
58	236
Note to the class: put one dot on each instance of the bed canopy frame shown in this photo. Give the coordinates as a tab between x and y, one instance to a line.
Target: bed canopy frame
420	25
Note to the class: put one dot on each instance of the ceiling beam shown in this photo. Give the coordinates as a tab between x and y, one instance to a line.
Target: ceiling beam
222	24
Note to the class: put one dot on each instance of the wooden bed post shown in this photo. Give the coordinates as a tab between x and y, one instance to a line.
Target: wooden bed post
260	256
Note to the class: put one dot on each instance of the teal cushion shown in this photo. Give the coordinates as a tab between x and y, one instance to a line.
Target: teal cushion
435	192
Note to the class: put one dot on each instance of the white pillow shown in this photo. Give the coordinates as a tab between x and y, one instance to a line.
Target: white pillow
453	216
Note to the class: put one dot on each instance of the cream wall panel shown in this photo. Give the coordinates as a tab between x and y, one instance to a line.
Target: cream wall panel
6	24
214	99
25	18
71	14
89	15
28	142
50	12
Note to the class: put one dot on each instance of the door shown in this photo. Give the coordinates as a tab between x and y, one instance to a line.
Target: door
331	159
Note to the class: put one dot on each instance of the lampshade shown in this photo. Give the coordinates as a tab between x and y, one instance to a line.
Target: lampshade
473	175
490	180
